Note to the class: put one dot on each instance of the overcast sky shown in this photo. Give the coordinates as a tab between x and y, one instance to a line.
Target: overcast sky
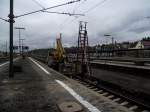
125	20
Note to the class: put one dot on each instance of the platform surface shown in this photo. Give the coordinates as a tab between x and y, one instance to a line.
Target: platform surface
38	88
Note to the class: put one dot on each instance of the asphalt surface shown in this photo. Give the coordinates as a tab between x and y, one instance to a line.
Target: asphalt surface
2	60
37	88
127	81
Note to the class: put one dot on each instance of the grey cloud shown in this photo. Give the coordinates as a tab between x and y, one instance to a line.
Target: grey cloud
120	18
140	30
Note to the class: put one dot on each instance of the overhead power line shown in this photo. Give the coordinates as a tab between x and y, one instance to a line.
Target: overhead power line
92	8
79	5
63	13
70	14
95	6
47	8
4	19
73	11
38	4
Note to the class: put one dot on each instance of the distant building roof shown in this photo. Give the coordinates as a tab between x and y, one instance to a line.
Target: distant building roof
146	43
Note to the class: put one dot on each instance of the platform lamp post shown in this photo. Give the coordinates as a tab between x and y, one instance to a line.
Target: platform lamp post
22	46
19	28
112	39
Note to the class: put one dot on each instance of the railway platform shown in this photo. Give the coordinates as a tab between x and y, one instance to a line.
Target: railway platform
122	64
38	88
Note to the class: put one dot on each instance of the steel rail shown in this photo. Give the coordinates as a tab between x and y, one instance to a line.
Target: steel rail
126	97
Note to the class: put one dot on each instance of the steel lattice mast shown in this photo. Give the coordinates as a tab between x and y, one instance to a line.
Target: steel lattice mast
82	51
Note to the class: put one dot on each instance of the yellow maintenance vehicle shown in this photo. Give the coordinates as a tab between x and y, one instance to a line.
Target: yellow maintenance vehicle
59	53
58	59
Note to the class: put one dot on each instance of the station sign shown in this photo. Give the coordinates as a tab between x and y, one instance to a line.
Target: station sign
25	47
15	47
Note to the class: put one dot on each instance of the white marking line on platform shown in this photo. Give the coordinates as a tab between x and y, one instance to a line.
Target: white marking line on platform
124	103
117	99
39	66
89	106
7	62
111	96
133	107
4	64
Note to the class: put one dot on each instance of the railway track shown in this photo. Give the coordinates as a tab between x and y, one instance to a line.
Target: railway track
125	100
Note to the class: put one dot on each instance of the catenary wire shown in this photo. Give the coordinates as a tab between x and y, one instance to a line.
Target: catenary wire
70	2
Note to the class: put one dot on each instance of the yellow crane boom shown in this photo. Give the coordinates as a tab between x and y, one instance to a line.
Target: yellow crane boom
60	54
